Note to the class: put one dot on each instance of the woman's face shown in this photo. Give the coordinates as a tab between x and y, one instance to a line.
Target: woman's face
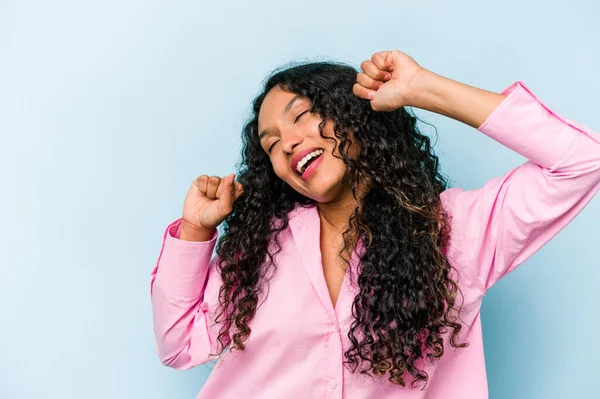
287	130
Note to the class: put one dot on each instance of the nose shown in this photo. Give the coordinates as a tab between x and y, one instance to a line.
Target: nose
290	139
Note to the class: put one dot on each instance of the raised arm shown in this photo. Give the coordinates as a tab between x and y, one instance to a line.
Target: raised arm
500	225
392	79
185	282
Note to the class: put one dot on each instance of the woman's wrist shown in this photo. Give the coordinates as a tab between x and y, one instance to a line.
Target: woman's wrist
188	232
426	91
456	100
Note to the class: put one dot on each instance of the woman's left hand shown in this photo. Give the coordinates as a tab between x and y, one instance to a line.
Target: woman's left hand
386	80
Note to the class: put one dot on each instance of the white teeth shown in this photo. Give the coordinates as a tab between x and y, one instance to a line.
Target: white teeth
306	158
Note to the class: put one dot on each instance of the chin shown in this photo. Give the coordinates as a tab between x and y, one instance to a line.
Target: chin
323	189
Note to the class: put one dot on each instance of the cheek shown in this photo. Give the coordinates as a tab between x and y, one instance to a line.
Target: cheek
353	149
280	167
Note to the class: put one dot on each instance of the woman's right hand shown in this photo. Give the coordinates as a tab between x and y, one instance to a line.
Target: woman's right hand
209	201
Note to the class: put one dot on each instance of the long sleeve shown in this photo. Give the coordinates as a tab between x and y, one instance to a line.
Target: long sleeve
500	225
184	293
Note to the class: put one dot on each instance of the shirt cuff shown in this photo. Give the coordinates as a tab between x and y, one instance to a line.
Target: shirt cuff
183	265
523	123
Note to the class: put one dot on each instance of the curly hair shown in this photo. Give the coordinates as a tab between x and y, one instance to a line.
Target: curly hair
407	299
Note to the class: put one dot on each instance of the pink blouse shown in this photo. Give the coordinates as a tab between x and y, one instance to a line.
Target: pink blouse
295	349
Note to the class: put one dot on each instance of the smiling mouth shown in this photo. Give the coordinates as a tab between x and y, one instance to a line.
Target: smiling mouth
307	164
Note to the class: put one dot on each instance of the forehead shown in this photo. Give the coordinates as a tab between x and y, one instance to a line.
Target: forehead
273	105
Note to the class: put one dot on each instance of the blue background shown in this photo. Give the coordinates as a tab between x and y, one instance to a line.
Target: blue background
109	109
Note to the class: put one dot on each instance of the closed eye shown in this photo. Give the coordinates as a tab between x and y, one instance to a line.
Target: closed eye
271	147
298	117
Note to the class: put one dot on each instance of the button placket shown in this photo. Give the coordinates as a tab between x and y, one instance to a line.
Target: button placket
333	346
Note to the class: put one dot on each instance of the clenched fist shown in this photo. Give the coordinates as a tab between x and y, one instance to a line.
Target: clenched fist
208	202
386	80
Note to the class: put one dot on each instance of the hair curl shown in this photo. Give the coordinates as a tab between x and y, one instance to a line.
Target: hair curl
407	297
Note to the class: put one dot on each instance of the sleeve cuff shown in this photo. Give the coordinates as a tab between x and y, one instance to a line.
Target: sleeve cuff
173	231
183	265
523	123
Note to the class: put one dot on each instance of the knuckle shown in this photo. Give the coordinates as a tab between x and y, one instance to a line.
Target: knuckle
201	182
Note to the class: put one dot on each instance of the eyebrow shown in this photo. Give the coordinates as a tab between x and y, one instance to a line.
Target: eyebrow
285	110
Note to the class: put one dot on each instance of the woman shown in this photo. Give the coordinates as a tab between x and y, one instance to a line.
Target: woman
347	268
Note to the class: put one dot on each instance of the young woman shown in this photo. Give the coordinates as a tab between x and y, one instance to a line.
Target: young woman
347	267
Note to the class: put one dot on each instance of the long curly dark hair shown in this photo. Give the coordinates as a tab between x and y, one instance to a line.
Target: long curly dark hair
407	299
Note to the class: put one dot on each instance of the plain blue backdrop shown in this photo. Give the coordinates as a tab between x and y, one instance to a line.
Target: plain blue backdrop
109	109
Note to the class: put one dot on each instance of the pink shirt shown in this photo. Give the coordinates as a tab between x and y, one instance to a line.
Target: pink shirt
295	349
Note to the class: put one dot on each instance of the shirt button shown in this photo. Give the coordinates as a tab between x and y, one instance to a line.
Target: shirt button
332	384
